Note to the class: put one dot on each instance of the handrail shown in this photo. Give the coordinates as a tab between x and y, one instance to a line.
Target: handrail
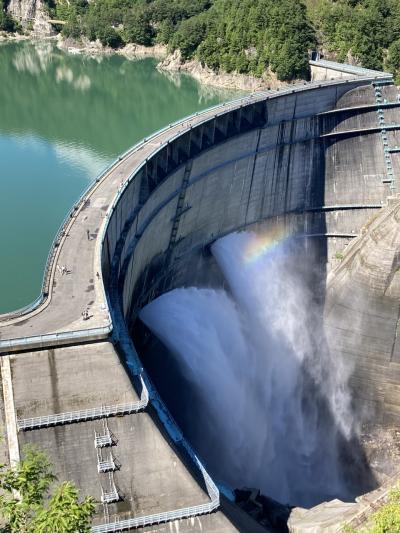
49	262
104	411
158	518
55	338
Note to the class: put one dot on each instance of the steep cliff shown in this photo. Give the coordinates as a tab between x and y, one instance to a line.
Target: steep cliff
31	12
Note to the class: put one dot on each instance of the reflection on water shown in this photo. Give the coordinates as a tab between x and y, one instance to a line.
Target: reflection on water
80	157
82	81
62	119
33	59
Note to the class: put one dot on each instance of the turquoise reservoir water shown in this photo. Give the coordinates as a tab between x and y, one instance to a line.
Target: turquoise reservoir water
63	118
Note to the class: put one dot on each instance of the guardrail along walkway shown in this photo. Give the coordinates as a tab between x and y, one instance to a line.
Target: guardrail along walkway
104	411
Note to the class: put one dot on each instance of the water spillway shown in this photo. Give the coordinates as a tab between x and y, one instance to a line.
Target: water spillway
317	164
313	164
255	389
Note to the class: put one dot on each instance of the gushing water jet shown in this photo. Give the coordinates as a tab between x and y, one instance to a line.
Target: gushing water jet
269	407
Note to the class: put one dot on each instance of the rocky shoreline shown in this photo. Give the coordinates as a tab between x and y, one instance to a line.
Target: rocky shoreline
225	80
95	48
13	37
173	64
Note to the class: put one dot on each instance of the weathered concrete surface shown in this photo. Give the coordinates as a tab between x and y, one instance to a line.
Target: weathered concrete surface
151	476
362	314
69	379
8	414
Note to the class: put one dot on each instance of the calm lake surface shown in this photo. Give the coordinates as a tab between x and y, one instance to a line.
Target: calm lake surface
63	119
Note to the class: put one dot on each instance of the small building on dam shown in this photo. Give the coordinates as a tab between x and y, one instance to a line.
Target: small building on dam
321	161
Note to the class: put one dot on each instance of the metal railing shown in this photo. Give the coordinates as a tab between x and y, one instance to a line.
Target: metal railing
37	341
167	516
158	518
112	495
79	416
106	465
104	411
103	441
389	179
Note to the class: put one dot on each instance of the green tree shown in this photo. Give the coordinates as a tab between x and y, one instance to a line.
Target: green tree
189	35
393	61
27	506
137	26
387	519
7	23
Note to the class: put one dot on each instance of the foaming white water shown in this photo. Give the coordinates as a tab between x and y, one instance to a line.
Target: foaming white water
271	403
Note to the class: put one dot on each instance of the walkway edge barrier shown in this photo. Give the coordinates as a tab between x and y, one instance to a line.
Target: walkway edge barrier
54	339
105	411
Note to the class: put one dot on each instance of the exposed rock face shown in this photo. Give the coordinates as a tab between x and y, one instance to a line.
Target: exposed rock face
31	12
133	51
233	80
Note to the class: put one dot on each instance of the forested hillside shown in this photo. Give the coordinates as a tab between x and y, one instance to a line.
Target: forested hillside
364	31
247	36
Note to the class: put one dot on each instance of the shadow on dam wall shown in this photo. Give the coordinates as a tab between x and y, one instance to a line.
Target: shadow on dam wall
198	268
264	164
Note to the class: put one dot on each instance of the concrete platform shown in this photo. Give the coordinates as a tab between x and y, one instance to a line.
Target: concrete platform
150	477
69	379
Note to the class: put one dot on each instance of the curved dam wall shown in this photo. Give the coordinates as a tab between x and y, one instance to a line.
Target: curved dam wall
312	160
262	160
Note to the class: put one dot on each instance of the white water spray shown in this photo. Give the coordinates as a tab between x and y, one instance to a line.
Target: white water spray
271	402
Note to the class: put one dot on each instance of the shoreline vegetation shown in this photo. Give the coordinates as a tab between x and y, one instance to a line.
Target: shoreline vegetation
249	45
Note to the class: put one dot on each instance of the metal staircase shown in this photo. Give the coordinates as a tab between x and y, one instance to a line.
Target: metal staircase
112	495
108	464
106	438
387	150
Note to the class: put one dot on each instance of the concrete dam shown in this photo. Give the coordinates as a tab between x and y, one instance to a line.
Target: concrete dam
321	161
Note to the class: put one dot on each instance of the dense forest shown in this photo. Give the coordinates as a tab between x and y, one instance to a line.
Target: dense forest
246	36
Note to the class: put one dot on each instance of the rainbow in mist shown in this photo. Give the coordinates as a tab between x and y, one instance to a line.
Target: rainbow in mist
262	243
